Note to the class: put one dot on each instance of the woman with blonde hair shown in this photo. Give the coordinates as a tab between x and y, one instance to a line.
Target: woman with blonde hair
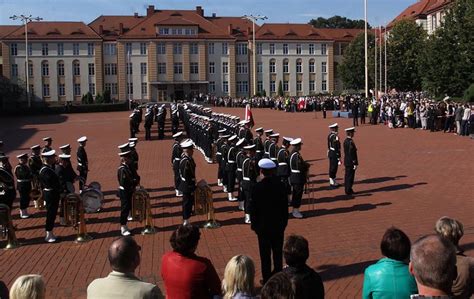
239	275
28	287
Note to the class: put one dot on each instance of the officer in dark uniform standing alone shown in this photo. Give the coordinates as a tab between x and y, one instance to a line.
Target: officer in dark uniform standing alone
334	154
23	183
176	154
51	192
187	173
82	162
350	161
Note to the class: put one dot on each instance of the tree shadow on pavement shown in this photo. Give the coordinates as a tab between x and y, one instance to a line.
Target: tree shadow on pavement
332	272
355	208
380	179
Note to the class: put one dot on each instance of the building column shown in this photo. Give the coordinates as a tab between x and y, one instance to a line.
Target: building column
251	48
169	62
330	48
186	62
99	68
202	61
6	61
152	70
232	75
121	72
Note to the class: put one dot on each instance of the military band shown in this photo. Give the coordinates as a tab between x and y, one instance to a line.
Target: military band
51	192
23	183
187	173
35	164
128	182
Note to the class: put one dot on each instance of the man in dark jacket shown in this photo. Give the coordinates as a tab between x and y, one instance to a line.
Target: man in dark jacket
269	217
307	282
350	161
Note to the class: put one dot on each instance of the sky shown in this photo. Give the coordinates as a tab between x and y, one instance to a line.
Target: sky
380	12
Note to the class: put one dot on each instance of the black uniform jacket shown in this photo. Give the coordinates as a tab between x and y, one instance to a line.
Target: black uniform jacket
350	153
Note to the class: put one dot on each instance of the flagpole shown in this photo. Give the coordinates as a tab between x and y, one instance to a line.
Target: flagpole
366	53
385	40
380	60
375	65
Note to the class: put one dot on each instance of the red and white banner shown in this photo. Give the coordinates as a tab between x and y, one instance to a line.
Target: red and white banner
249	116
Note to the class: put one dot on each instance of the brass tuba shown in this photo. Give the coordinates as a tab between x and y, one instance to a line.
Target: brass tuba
74	216
36	194
204	205
141	210
7	231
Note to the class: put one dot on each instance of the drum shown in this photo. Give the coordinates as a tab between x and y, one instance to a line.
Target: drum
92	200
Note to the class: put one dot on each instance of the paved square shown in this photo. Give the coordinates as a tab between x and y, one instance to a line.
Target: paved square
406	178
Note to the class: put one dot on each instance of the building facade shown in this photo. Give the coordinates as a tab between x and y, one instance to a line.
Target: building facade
172	54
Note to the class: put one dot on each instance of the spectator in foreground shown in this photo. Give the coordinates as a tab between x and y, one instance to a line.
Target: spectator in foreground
239	276
28	287
3	287
389	277
433	263
453	230
124	258
279	286
307	282
186	275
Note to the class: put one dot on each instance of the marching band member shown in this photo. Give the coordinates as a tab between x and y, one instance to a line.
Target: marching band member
47	146
23	184
244	132
239	160
266	143
35	164
67	176
350	160
51	192
82	162
220	166
148	123
7	183
231	167
258	143
187	173
283	170
127	185
134	156
334	154
298	177
273	147
250	173
176	154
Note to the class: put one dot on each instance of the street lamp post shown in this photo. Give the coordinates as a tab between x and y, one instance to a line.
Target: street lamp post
25	20
254	19
366	53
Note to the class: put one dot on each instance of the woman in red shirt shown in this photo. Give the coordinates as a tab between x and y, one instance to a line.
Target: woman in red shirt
186	275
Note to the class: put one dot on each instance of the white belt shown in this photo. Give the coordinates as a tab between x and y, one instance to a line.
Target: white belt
220	154
231	162
273	159
332	149
246	179
47	189
259	151
79	164
239	169
121	187
22	181
282	163
177	159
295	171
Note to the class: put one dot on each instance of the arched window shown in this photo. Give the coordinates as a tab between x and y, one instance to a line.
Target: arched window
45	68
299	68
76	68
286	68
60	68
311	66
272	66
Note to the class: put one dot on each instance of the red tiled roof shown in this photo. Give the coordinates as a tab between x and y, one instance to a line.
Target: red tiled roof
438	5
304	32
241	28
111	25
420	9
53	30
6	29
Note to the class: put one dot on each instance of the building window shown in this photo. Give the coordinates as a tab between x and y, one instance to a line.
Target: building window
129	67
178	68
144	89
30	69
298	48
128	48
311	85
14	70
76	68
272	48
75	49
212	86
272	86
323	49
14	49
161	68
45	69
299	86
177	48
77	89
45	90
225	67
143	68
161	48
225	49
259	67
285	85
241	49
324	85
212	67
242	87
193	48
311	66
311	49
210	48
285	48
30	49
61	90
225	87
299	68
111	69
259	48
109	49
91	68
323	67
194	68
130	88
286	68
143	48
92	88
44	49
242	67
260	86
112	87
60	49
90	49
272	66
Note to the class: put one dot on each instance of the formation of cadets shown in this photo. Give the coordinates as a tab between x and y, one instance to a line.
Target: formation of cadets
43	170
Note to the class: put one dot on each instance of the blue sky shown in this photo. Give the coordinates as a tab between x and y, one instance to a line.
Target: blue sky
278	11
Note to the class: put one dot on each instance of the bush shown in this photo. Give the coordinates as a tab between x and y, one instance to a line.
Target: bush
107	97
469	94
87	98
264	93
99	99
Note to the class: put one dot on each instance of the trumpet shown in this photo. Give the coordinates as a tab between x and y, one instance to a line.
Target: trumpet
204	205
7	231
141	210
74	216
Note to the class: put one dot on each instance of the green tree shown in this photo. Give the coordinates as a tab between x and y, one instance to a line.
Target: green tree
99	98
264	93
106	96
448	61
87	98
280	89
352	68
406	45
338	22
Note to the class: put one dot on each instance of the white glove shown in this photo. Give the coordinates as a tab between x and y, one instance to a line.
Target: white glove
339	162
355	167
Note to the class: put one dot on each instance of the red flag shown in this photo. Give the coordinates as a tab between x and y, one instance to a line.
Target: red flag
249	116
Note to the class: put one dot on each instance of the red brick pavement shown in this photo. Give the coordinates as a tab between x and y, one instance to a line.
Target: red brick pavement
407	178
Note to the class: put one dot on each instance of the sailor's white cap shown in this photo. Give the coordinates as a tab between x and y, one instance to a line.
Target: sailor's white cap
239	143
188	143
266	164
64	156
296	141
335	125
82	139
49	153
233	137
178	134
